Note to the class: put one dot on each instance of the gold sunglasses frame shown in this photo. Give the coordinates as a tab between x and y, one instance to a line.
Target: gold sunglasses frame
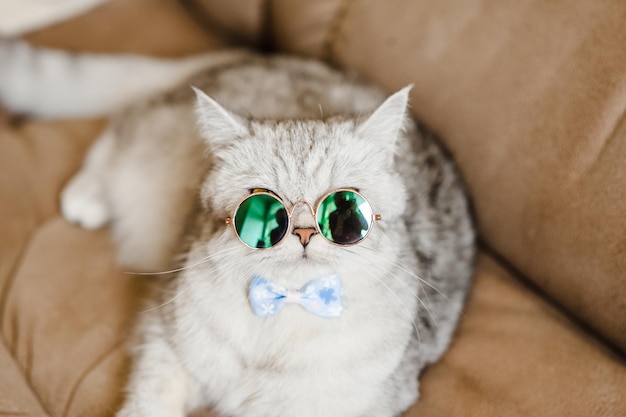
230	220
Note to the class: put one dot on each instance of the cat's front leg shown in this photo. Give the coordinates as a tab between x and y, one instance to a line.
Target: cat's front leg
159	385
83	200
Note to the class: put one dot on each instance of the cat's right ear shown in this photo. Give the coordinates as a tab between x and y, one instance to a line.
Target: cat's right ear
218	126
384	126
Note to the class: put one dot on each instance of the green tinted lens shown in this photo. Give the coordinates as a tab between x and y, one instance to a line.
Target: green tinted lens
261	221
344	217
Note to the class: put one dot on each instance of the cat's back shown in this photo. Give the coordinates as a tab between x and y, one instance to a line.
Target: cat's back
281	87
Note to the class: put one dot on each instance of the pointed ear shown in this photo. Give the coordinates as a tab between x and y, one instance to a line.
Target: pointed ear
385	124
218	126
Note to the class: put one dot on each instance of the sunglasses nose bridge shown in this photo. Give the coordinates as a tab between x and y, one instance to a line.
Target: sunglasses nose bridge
302	215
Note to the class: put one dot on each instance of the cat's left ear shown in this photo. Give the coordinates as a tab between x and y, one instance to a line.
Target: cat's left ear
384	126
218	126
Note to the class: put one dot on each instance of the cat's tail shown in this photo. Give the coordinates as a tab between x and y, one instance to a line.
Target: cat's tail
53	83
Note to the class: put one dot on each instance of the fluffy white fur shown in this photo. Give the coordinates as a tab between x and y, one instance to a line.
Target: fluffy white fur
299	129
51	83
296	364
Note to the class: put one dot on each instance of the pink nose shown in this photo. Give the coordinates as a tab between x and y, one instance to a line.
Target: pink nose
305	234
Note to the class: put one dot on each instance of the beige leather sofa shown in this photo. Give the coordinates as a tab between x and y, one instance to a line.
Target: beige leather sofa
529	96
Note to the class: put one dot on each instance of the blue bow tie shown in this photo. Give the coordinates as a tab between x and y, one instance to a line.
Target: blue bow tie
321	296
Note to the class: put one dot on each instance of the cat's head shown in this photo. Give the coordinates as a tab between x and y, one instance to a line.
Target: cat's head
299	162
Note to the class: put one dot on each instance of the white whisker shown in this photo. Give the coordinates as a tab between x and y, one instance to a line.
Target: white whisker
389	272
178	294
419	300
182	268
420	279
413	274
215	256
406	308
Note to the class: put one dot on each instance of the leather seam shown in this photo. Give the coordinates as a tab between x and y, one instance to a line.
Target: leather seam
86	373
3	305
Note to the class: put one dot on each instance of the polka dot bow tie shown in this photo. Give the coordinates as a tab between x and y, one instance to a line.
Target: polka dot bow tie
321	296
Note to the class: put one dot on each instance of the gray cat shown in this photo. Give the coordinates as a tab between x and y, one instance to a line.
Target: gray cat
326	241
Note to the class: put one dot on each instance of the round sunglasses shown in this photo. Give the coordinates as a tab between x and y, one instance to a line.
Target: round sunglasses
342	216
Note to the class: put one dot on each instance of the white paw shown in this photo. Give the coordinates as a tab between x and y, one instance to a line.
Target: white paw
83	202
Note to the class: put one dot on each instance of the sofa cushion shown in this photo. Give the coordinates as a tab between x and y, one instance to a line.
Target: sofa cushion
516	354
16	398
